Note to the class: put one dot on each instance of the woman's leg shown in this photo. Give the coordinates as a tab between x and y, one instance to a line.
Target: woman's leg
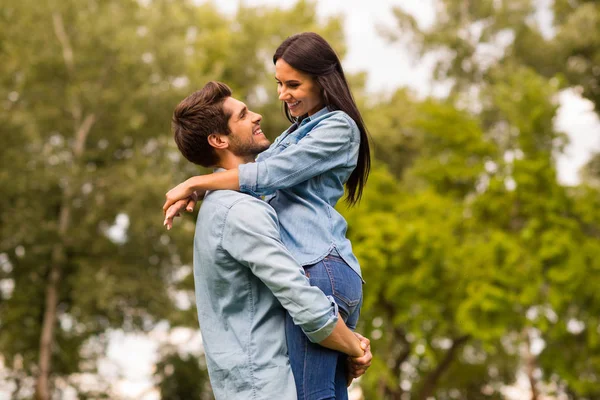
319	372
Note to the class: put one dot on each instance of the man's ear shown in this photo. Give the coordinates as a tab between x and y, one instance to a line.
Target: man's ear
218	141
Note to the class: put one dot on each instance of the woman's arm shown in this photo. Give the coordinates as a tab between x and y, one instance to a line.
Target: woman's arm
334	142
216	181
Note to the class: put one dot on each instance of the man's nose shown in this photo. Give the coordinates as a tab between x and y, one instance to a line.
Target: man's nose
257	117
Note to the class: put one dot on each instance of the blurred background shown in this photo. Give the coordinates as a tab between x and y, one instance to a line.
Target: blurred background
478	233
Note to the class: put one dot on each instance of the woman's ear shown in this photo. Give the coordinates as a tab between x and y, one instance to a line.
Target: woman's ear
218	141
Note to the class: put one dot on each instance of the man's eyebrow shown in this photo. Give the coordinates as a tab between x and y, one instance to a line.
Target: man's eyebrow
242	112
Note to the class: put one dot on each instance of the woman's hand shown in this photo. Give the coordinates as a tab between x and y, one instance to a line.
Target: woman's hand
225	180
179	192
357	366
188	204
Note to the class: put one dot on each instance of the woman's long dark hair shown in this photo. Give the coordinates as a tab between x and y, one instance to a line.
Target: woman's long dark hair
310	53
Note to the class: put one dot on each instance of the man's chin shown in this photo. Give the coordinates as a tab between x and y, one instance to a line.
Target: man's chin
264	146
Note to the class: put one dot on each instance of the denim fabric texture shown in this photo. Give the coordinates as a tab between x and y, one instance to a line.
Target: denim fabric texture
320	373
243	276
303	174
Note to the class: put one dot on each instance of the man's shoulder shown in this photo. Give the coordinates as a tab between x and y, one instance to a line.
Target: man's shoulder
224	198
242	204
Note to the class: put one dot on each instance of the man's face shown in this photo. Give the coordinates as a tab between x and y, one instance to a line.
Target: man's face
246	138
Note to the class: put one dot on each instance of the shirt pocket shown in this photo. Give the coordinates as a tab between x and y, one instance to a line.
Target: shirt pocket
291	139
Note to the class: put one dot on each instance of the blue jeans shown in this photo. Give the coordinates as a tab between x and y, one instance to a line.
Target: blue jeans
320	373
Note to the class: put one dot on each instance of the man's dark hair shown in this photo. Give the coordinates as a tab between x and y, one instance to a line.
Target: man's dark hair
310	53
198	116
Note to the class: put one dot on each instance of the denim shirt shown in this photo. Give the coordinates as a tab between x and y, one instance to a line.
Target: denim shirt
243	276
303	174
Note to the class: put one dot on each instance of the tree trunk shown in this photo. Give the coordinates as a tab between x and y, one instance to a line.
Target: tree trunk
47	338
530	366
433	378
58	257
399	351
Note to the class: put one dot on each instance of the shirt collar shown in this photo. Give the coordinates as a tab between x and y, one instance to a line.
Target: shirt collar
319	113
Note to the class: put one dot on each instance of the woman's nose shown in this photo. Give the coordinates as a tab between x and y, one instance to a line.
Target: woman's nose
282	94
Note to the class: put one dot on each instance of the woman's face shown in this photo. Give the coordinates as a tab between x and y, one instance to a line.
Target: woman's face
298	90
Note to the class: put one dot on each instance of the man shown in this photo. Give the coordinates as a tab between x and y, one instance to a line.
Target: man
243	273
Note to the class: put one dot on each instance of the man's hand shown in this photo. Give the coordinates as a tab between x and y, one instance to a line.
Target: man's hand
179	192
357	366
175	209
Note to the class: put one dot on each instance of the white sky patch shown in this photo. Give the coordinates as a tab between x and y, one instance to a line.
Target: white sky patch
118	231
577	118
131	358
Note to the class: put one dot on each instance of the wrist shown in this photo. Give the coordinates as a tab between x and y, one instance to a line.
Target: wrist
357	350
194	184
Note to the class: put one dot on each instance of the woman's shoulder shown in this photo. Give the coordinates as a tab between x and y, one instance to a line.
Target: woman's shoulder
336	119
339	115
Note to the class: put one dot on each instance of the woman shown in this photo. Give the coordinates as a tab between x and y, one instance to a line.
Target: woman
302	176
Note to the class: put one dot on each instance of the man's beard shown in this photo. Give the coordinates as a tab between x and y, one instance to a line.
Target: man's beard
247	149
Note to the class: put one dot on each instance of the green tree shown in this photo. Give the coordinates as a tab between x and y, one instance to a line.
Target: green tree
434	273
527	241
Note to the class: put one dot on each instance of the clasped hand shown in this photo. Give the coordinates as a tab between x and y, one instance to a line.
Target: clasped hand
357	366
178	199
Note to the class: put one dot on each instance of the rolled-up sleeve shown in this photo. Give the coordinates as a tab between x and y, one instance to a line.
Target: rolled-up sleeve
251	236
333	142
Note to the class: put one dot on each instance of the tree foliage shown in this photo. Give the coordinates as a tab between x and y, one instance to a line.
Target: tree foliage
478	252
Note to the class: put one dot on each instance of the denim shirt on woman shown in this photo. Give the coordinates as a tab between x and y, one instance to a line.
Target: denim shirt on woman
303	174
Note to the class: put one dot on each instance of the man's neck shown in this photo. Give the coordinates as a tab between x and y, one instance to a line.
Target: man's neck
231	161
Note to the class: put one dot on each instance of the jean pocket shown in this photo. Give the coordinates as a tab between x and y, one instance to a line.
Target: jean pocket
346	285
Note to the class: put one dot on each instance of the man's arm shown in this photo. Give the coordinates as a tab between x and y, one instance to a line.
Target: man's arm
251	236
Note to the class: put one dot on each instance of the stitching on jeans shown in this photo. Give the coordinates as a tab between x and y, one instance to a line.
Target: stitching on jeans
349	303
330	274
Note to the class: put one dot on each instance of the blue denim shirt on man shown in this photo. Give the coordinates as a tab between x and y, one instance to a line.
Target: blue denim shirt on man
243	274
304	172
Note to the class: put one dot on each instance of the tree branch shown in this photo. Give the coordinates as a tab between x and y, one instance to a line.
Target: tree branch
433	378
61	34
530	366
82	134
